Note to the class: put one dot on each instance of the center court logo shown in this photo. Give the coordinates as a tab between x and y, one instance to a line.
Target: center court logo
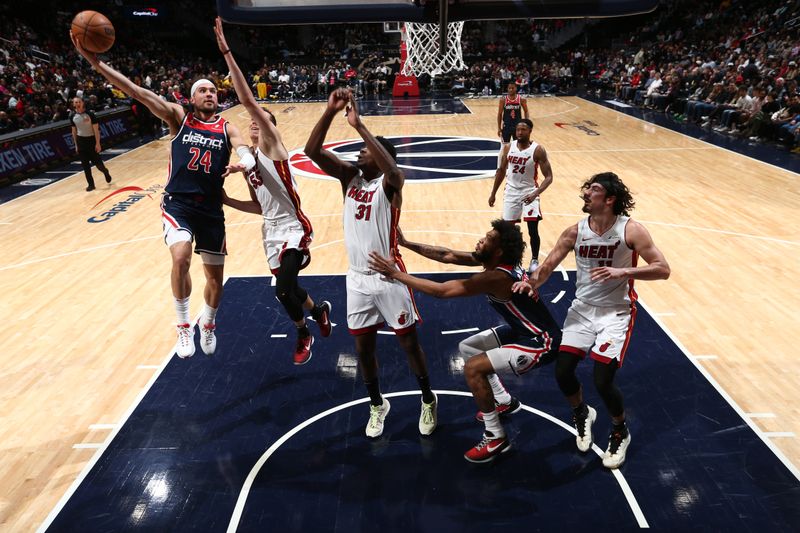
134	195
422	158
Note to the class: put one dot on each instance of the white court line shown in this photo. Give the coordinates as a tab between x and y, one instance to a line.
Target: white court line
63	171
558	297
102	426
102	447
456	331
688	136
761	415
87	446
701	357
147	367
779	434
778	453
278	336
236	516
75	252
59	181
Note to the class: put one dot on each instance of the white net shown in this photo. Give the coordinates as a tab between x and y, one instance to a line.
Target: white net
422	46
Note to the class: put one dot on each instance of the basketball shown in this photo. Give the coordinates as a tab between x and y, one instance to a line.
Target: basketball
93	31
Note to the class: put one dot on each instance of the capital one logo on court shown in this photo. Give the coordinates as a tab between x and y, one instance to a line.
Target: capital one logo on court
134	195
422	158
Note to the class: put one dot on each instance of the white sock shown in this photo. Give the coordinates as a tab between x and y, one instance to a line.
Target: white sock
182	310
209	315
493	425
501	395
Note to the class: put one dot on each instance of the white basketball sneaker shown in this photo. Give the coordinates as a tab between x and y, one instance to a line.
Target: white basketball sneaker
208	340
185	346
583	424
427	417
534	264
618	444
377	414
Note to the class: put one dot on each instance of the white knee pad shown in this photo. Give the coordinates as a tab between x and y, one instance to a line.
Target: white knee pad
212	259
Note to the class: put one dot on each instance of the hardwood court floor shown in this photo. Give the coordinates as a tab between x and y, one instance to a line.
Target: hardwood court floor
89	315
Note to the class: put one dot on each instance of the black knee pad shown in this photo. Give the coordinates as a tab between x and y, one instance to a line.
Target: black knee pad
566	364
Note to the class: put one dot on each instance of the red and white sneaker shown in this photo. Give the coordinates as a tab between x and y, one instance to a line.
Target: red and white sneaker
324	321
302	351
503	409
185	345
487	449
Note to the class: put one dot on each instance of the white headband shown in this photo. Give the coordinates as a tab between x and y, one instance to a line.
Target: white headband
197	84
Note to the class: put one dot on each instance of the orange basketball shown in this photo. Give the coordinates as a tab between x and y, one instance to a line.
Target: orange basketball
93	31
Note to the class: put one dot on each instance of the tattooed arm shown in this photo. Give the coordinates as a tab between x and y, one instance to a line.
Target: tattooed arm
438	253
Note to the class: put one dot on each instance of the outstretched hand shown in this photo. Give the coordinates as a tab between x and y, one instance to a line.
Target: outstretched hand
233	168
91	57
220	34
523	287
353	118
338	99
382	265
401	239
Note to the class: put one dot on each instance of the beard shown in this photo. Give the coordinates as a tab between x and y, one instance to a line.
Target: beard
482	257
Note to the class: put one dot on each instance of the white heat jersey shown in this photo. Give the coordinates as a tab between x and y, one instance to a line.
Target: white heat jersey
609	249
276	190
522	172
370	222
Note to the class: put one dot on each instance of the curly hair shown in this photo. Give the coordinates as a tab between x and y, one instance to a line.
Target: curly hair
511	242
623	202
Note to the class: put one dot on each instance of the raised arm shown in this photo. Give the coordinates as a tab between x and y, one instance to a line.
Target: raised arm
487	282
393	176
269	138
638	238
329	163
500	174
170	113
438	253
540	156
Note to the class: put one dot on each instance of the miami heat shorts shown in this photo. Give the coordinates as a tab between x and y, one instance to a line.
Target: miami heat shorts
515	209
604	332
373	300
282	235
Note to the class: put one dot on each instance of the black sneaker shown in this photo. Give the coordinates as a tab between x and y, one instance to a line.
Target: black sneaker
618	443
108	177
90	188
583	425
503	409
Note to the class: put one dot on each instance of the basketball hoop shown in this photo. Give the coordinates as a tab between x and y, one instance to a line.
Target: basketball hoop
424	54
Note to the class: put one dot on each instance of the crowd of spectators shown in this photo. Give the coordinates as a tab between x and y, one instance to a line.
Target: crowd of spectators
729	66
724	64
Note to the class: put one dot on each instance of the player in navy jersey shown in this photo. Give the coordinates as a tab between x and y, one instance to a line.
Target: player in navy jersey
192	203
607	245
529	338
511	110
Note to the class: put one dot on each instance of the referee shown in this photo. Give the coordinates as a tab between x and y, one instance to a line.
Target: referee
86	135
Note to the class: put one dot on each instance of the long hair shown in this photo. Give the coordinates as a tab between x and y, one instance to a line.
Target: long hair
511	242
623	200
